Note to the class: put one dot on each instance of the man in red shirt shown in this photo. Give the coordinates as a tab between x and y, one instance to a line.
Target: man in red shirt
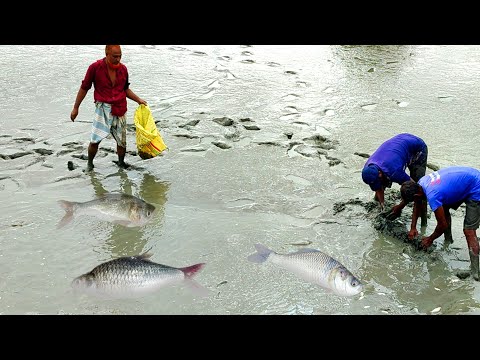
111	90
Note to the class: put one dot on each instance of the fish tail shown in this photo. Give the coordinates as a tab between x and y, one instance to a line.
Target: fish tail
189	271
67	205
197	288
69	208
261	255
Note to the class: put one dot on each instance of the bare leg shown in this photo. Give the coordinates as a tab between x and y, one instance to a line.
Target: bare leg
472	242
92	151
417	170
448	232
423	213
121	157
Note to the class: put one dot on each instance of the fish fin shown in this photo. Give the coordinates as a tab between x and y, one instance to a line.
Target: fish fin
261	255
125	223
327	290
67	218
305	250
68	206
146	255
197	288
189	271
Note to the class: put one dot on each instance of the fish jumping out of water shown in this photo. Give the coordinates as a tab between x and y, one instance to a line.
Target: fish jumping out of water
135	276
313	266
123	209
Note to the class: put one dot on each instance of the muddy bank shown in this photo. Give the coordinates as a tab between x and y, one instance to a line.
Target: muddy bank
397	229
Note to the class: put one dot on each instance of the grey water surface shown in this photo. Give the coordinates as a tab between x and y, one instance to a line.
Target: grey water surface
263	141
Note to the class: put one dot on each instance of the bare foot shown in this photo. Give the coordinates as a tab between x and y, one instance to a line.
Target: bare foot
89	167
122	164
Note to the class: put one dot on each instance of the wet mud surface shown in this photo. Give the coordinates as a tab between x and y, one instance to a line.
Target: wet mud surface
397	229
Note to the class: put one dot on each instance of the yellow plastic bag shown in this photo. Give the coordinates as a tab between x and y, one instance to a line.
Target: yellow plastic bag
149	140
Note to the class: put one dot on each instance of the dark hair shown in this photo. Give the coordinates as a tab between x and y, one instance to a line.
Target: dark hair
408	190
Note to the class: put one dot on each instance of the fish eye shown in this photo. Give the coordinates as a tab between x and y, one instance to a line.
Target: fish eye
148	212
77	282
354	282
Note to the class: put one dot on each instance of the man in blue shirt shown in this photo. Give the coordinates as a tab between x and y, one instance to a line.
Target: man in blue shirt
388	163
447	189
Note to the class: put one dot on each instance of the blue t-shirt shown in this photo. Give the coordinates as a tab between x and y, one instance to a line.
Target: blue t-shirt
450	185
395	154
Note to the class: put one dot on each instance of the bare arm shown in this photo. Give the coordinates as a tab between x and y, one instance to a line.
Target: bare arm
132	96
381	197
442	225
397	210
80	96
417	206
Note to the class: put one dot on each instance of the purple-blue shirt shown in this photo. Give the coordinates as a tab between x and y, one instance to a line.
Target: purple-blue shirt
450	185
395	154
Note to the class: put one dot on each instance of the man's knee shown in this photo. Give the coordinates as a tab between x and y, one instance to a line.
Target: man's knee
472	217
472	240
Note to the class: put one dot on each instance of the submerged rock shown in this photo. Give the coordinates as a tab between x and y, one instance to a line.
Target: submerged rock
71	166
221	144
224	121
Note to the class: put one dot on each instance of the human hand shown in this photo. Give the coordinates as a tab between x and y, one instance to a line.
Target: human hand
141	101
426	242
412	234
382	207
394	213
74	114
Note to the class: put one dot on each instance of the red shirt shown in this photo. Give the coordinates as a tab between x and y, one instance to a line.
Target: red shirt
105	91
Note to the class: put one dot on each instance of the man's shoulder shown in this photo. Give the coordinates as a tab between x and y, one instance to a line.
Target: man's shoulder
97	63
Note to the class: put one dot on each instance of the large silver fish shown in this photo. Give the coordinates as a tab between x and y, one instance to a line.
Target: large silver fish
135	276
313	266
123	209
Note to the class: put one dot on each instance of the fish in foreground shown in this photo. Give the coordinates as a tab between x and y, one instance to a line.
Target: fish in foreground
135	276
313	266
123	209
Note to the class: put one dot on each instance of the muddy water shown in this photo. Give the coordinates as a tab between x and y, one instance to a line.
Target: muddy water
277	175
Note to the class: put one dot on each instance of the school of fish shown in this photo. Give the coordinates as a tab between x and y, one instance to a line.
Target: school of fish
137	276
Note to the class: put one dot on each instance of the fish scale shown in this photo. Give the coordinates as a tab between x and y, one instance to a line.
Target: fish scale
313	266
133	276
127	271
124	209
